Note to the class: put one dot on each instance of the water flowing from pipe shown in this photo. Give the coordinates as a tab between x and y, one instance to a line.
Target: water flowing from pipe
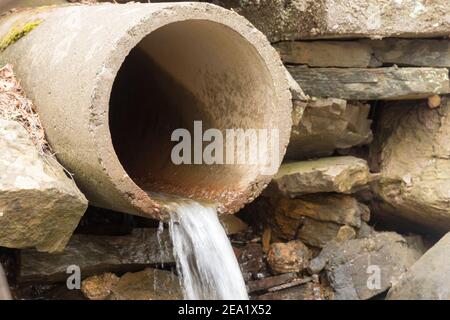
205	259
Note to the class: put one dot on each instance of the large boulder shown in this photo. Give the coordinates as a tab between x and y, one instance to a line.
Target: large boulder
428	278
40	206
363	268
411	151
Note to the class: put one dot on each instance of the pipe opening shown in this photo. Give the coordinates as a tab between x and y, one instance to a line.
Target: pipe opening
186	71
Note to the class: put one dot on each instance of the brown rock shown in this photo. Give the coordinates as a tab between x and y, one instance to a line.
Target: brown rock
345	233
337	208
150	284
288	257
434	101
99	287
317	233
232	224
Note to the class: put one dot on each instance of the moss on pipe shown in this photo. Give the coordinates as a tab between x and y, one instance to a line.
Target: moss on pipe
17	33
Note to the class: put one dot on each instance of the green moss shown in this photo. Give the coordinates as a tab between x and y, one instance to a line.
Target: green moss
17	33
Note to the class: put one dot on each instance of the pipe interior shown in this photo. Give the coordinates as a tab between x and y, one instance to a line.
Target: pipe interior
186	71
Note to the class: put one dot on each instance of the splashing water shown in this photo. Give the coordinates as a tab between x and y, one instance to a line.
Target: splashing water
205	259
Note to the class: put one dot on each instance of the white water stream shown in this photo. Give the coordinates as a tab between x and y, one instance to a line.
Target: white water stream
205	259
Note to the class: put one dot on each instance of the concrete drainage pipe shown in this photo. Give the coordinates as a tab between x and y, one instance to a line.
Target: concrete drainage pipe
111	83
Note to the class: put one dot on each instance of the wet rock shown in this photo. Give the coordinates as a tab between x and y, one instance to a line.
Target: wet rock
334	174
5	292
321	126
428	278
317	233
39	205
364	268
232	224
293	256
99	287
251	260
97	254
412	153
149	284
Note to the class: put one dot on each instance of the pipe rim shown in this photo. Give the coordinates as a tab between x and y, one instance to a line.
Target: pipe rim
172	13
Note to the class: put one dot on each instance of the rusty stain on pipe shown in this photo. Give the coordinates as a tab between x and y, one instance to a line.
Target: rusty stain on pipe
111	82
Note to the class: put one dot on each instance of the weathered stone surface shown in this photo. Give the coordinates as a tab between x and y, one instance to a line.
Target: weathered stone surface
372	84
232	224
428	278
99	287
332	174
412	153
292	256
321	126
305	19
366	53
97	254
317	233
349	265
349	54
149	284
336	208
39	205
411	52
